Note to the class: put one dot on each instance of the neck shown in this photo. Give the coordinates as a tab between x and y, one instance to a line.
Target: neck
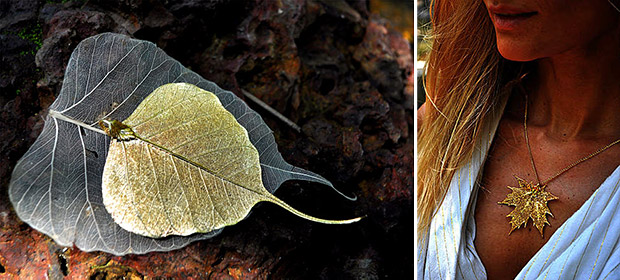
576	94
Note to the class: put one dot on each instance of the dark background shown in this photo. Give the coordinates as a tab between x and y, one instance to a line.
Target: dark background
334	67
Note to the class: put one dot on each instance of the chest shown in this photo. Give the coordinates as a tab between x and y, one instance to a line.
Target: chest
504	255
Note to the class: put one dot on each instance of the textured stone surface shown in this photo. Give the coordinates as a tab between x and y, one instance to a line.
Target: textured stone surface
337	71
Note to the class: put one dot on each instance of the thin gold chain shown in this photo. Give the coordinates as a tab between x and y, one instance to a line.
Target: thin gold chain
527	141
529	149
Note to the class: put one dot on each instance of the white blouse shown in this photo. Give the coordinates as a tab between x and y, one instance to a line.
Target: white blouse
586	246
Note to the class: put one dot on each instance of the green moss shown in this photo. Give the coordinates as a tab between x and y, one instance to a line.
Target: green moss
33	34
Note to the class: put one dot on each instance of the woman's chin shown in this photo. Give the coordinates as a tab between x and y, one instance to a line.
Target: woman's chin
516	54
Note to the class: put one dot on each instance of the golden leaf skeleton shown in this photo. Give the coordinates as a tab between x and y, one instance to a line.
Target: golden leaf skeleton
181	164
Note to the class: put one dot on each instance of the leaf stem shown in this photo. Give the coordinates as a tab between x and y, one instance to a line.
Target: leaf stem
60	116
273	199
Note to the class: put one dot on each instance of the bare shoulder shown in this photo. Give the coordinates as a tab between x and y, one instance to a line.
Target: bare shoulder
421	114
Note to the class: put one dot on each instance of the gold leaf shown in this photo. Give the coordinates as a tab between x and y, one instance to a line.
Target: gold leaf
530	201
181	164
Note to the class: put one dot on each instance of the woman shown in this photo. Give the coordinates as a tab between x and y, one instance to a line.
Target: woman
517	144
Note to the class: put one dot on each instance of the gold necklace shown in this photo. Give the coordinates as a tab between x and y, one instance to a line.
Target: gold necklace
530	200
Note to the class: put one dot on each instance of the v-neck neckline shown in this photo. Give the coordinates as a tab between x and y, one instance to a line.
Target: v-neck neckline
470	220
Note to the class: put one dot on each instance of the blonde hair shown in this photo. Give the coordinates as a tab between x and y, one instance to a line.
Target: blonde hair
465	73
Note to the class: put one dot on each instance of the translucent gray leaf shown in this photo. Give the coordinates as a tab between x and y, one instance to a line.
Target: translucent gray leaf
56	186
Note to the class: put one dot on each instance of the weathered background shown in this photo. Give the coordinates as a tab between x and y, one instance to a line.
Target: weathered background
340	72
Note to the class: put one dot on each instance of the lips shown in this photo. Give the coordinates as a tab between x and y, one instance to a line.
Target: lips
509	18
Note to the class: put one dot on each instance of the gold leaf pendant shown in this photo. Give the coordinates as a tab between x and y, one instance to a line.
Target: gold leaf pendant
530	202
